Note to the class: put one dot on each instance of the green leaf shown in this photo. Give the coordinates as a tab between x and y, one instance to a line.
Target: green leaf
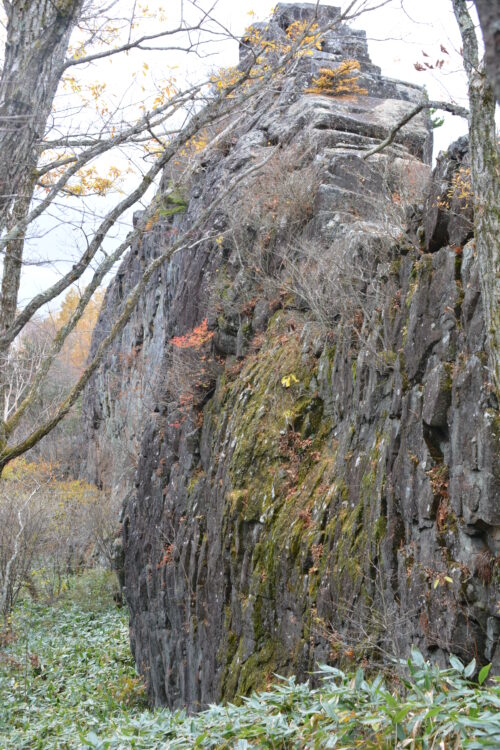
401	714
390	700
470	668
456	663
400	733
433	712
416	657
483	674
358	679
91	739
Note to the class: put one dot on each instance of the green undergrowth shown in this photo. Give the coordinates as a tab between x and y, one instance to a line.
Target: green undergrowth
66	669
67	681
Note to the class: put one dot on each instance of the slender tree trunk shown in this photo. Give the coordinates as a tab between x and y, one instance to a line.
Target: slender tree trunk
485	177
489	18
12	261
485	183
6	596
11	279
38	33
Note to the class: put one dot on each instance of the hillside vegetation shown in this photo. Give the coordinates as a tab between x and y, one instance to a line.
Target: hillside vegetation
67	681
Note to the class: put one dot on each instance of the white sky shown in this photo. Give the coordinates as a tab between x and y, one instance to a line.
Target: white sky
397	35
397	38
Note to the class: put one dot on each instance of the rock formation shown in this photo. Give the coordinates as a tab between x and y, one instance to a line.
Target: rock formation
297	415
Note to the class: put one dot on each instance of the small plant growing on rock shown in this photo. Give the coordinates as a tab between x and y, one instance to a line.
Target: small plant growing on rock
194	339
272	211
191	370
459	191
341	81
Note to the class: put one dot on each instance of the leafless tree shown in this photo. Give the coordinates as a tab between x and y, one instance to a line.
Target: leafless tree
40	165
19	368
20	534
50	527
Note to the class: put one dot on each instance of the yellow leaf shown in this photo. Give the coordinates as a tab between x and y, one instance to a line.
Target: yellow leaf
288	380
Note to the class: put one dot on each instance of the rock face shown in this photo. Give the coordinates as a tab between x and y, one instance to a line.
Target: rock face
297	416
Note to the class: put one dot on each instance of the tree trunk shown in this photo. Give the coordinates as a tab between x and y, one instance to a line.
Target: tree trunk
38	33
12	261
485	178
489	18
485	184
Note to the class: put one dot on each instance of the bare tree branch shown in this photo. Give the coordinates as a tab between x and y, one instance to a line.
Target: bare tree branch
248	85
100	148
17	450
454	109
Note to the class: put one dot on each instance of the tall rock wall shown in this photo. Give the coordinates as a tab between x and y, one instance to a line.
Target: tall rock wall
297	416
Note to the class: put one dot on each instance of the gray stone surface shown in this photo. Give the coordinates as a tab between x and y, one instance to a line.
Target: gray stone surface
448	214
268	528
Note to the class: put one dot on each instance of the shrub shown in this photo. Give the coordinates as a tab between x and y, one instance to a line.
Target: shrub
67	670
191	369
94	590
340	81
49	527
350	279
273	209
343	282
